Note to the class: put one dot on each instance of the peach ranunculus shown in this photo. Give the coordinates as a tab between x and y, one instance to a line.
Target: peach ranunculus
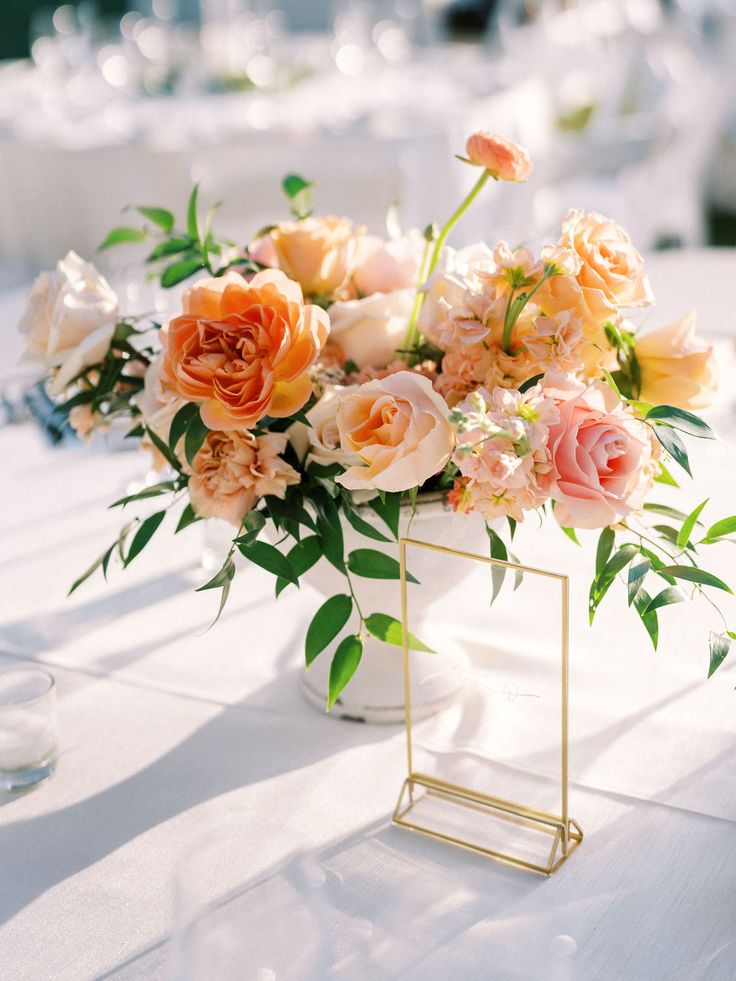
316	252
398	428
232	470
611	273
677	367
502	158
370	330
243	349
70	319
602	455
383	267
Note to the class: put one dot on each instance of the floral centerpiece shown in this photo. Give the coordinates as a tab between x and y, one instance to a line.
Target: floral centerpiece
323	375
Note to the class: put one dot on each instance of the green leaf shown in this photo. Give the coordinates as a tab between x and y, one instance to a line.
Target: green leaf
726	526
605	547
692	574
389	630
530	383
388	509
611	381
719	648
680	419
331	539
92	569
194	437
326	624
362	526
371	564
222	580
683	536
188	517
192	224
159	216
155	490
498	551
323	472
665	477
602	582
302	557
672	442
253	522
163	449
665	510
344	664
292	185
143	536
123	235
269	558
650	620
172	246
512	526
180	422
667	597
570	532
177	272
637	574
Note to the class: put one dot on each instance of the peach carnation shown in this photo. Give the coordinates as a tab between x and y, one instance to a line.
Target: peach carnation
232	470
243	349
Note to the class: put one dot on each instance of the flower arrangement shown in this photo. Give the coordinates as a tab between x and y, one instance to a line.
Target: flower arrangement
322	374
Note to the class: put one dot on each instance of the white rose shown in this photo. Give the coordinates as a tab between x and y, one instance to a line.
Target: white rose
69	320
369	331
455	273
383	267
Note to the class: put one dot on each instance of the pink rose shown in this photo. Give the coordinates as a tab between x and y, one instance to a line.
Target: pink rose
503	159
233	469
398	428
602	463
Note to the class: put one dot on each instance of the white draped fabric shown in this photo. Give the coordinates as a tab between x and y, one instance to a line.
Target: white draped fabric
169	736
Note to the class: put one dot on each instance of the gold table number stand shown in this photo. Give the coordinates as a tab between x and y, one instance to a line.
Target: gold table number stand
563	832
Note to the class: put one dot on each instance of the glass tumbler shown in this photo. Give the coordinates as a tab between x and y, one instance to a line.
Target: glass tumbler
28	728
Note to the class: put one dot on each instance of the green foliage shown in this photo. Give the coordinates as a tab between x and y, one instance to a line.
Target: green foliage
693	574
144	534
603	580
719	645
674	445
195	435
344	664
222	580
718	531
389	630
388	509
683	536
371	564
298	192
188	517
686	422
269	558
159	216
123	235
326	624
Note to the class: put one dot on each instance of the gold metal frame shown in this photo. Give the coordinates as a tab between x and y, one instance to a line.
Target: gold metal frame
565	833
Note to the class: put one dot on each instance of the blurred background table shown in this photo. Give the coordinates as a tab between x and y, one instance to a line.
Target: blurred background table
169	736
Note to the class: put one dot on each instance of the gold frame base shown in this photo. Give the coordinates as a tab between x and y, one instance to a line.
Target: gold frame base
566	834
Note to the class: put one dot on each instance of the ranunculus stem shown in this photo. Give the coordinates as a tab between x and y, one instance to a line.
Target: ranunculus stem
412	334
454	219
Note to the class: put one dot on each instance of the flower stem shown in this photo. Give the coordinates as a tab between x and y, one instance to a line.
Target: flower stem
412	334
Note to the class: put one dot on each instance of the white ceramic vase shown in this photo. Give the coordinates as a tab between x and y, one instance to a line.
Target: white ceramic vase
376	691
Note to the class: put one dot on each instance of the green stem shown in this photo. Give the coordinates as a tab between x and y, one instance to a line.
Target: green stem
412	334
509	320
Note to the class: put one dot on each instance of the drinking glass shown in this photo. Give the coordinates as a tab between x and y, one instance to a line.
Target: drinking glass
28	729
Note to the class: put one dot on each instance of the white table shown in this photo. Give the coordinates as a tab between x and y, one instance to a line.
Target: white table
169	737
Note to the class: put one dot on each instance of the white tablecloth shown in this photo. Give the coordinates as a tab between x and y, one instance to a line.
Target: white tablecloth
168	737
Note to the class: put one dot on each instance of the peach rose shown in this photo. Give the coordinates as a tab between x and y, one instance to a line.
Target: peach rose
370	330
611	273
398	428
677	368
70	319
601	454
316	252
382	267
232	470
503	159
323	435
243	349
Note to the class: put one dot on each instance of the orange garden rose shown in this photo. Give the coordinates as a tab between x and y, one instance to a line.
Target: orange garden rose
316	252
232	470
243	349
502	158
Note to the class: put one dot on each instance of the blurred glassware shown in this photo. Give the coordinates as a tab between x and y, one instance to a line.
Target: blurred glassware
28	728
